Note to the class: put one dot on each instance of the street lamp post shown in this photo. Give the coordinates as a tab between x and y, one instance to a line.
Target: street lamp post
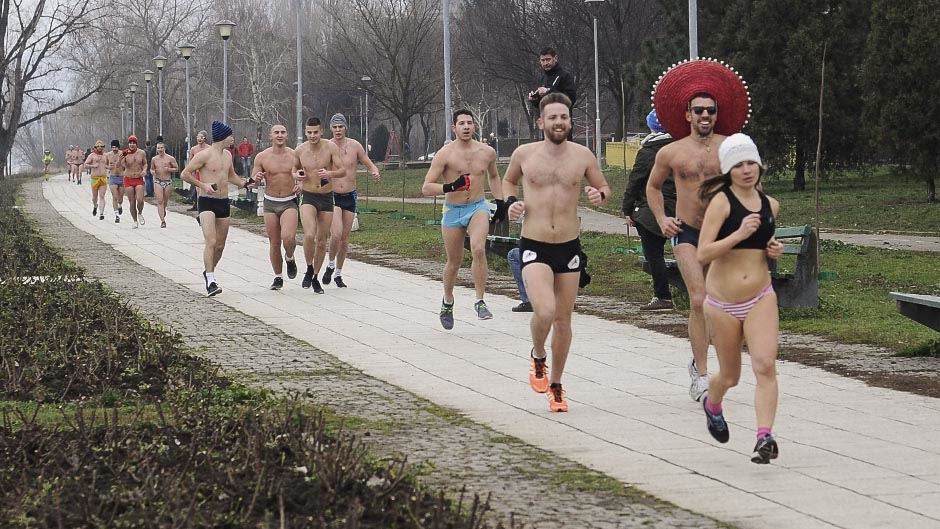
365	86
186	50
225	31
160	61
148	78
447	96
123	128
300	83
597	89
133	88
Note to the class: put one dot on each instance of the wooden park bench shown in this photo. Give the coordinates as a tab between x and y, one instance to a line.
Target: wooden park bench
921	308
797	289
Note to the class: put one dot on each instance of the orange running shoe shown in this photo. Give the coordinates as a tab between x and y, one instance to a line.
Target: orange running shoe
538	374
556	398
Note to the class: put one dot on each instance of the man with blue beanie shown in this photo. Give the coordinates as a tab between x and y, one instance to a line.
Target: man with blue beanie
216	172
638	213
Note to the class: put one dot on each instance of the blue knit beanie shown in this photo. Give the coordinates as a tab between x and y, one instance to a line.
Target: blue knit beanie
220	131
653	122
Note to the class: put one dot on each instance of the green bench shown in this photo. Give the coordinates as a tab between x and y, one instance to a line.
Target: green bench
922	308
797	289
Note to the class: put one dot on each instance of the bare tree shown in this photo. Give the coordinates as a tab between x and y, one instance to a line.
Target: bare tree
263	64
34	64
393	42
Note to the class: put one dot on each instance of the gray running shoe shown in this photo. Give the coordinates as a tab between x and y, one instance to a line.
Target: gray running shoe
482	311
698	387
447	316
278	283
213	289
658	304
291	269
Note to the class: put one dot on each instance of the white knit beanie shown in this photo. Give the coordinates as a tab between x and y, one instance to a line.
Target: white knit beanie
735	149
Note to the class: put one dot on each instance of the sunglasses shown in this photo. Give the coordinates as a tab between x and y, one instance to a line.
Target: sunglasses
699	110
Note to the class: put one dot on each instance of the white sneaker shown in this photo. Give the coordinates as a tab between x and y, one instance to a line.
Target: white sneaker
135	224
698	388
693	369
140	216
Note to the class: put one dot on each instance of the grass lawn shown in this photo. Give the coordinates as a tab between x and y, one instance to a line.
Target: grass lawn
854	308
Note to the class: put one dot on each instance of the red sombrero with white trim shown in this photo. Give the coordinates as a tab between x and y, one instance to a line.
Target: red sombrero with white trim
679	84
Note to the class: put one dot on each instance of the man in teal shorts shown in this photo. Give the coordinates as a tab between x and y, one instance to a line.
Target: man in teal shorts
464	164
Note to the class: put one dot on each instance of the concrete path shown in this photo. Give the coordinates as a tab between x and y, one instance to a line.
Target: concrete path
852	456
592	220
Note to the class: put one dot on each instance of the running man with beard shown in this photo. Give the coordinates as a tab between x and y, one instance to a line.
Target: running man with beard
551	172
316	163
275	165
98	164
200	146
116	179
344	197
134	161
162	166
464	164
688	100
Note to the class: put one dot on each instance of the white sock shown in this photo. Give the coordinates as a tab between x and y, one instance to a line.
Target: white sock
210	278
338	272
331	264
278	276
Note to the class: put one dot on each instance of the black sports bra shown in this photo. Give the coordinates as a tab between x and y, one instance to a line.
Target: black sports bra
759	239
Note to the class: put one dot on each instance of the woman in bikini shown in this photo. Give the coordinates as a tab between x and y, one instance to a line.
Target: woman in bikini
736	239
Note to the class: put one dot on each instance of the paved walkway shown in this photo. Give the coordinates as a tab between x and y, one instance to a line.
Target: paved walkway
592	220
852	456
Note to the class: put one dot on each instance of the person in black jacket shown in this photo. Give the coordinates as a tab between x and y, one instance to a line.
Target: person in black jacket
638	214
554	79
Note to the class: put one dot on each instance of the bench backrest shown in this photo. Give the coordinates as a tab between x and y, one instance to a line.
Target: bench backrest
788	237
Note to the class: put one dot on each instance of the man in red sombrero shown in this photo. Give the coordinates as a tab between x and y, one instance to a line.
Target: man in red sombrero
699	102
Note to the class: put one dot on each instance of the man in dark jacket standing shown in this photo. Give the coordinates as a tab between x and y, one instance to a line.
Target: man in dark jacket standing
554	79
638	214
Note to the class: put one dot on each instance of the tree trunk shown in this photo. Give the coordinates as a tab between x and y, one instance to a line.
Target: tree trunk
799	169
931	189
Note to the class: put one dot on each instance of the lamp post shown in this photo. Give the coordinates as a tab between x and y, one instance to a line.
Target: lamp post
160	61
186	50
148	77
447	98
225	31
597	88
300	83
133	88
123	128
693	29
365	87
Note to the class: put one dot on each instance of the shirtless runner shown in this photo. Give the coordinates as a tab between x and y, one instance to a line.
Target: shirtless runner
135	168
316	162
116	179
344	197
464	165
98	164
216	171
689	109
275	166
551	172
162	166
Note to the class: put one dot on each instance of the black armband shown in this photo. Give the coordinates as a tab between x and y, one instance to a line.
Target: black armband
510	200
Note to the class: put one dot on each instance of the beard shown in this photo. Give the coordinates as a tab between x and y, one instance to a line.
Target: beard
557	136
